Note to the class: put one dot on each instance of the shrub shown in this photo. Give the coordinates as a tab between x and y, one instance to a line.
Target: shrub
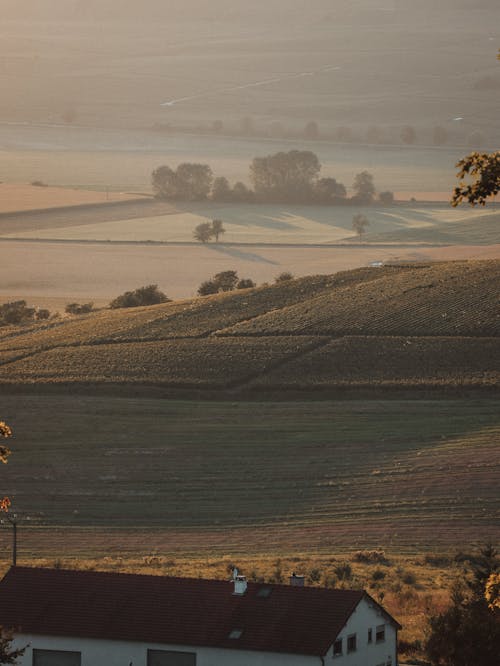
149	295
79	308
224	281
343	571
245	283
42	314
283	277
38	183
370	556
378	574
16	312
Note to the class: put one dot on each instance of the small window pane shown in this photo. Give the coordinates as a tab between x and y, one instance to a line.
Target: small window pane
337	647
56	658
380	633
351	643
171	658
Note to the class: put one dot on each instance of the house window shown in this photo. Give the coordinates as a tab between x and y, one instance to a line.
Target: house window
380	633
56	658
171	658
370	635
351	643
337	648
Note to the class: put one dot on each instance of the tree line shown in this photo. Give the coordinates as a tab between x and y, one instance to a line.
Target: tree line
283	177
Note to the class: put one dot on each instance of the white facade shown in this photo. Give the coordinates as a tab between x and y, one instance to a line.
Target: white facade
122	653
366	617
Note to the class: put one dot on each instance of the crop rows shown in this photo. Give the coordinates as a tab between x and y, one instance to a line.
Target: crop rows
446	299
322	465
404	361
208	361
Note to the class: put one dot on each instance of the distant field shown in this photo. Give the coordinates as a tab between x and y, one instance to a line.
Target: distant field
22	197
212	476
252	223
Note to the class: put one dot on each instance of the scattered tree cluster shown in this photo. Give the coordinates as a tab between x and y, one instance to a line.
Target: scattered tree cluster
149	295
224	281
291	177
18	312
207	230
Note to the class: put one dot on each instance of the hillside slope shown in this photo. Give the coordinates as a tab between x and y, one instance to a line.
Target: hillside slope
423	326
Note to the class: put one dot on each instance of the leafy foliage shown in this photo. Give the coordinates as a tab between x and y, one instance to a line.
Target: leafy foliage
285	176
468	632
79	308
224	281
8	655
359	224
484	168
149	295
203	232
189	182
16	312
364	188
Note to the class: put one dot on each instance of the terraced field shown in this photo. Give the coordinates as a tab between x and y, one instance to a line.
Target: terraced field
414	326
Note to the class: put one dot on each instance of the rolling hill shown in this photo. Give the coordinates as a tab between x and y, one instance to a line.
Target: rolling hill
412	326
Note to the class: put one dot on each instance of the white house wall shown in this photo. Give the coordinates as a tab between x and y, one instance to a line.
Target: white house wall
364	617
122	653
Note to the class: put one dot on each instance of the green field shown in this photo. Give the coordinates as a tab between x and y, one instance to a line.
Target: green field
404	473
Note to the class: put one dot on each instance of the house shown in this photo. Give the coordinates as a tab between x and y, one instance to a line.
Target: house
88	618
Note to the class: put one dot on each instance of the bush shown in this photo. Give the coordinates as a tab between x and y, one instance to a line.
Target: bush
16	312
245	283
370	556
78	308
343	571
284	277
224	281
149	295
38	183
42	314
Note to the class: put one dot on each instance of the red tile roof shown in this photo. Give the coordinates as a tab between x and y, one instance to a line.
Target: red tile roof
180	611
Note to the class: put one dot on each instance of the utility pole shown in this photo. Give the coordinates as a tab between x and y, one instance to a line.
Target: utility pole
13	520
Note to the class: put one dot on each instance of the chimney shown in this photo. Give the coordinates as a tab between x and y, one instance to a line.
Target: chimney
296	581
240	584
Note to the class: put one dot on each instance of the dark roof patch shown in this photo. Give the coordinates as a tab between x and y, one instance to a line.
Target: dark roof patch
169	610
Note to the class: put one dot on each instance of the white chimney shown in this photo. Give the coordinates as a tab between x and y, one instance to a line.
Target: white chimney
296	580
240	584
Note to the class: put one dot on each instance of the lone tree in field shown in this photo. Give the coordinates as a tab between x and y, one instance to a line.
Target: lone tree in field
364	188
203	232
359	224
217	229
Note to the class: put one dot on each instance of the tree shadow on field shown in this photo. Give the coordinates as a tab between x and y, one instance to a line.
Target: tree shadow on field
239	254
